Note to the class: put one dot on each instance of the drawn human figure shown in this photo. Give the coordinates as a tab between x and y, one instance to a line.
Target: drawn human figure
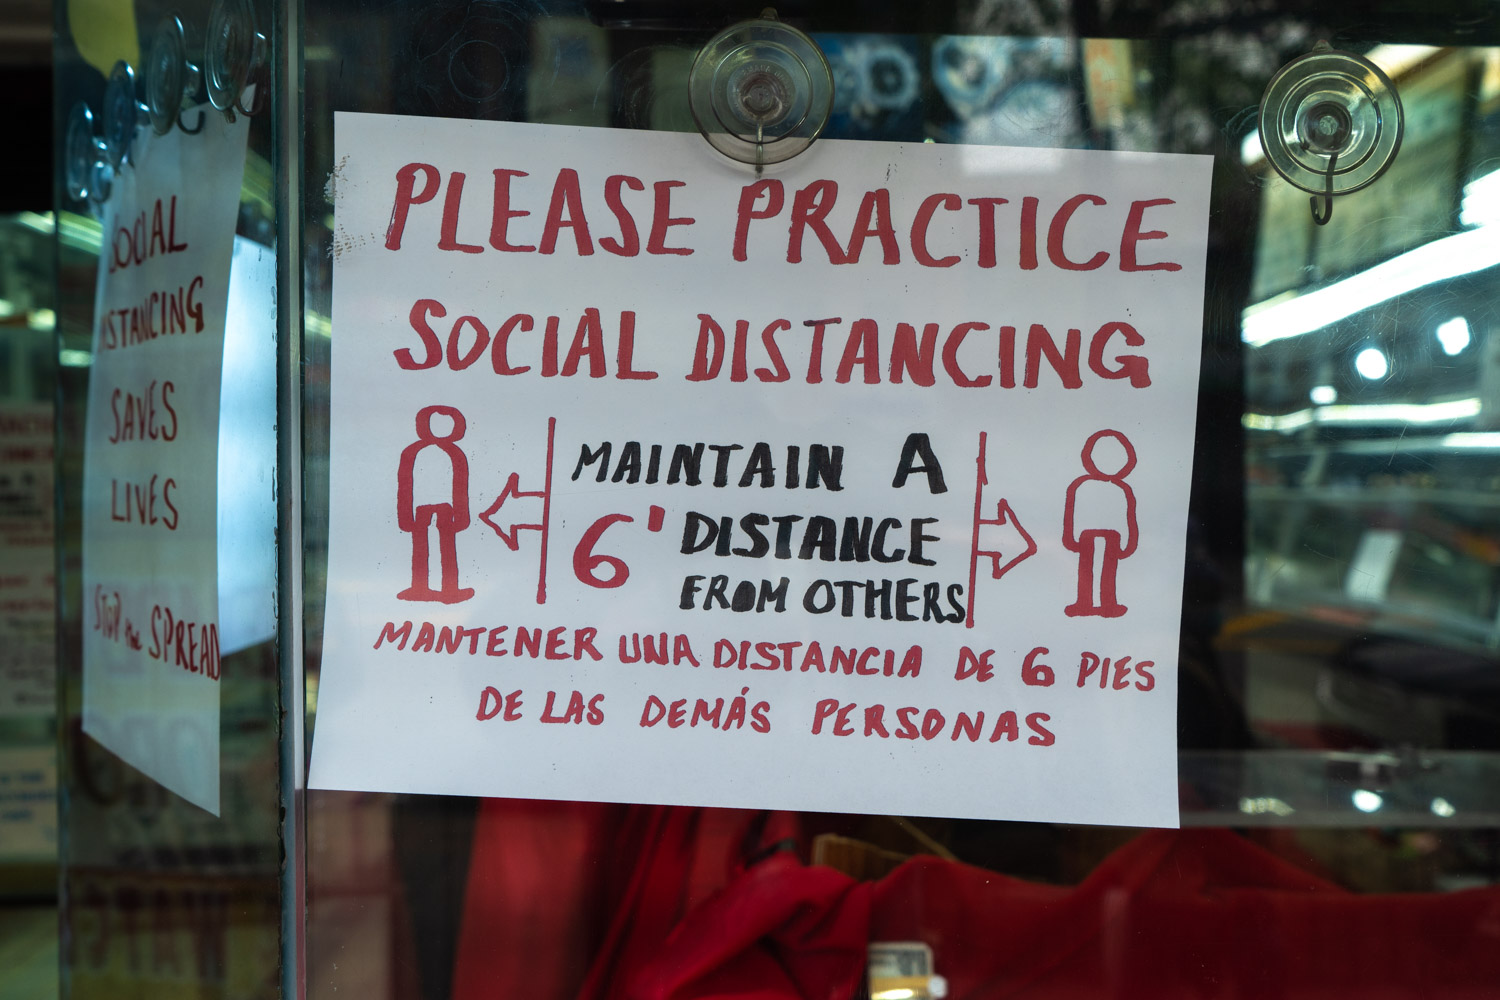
443	509
1099	524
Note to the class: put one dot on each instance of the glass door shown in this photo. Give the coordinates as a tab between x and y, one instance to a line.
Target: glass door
1336	663
169	714
1314	501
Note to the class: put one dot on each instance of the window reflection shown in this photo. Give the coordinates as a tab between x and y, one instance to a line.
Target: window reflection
1372	380
1341	586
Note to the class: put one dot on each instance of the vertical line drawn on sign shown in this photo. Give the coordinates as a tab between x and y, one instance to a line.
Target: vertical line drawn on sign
541	575
1003	515
980	479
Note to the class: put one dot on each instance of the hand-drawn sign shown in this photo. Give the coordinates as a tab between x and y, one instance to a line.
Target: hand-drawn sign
785	590
151	646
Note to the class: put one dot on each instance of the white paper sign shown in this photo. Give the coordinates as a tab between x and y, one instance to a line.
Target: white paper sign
860	487
247	452
151	643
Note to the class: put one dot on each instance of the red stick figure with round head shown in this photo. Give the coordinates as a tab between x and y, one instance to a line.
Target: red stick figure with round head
1099	523
446	517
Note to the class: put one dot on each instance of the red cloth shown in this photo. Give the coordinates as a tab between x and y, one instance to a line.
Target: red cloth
1172	914
607	902
563	898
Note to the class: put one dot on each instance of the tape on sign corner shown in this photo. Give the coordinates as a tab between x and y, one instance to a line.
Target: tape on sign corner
105	32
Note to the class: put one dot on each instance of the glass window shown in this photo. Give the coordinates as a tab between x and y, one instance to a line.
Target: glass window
1338	680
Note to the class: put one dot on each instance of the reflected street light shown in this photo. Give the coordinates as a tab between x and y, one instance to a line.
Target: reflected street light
1372	363
1453	335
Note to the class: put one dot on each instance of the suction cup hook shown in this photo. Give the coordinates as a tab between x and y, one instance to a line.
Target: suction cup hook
172	80
1330	123
234	59
123	114
1322	205
760	91
87	173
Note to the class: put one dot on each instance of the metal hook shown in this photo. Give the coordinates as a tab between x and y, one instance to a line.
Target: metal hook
1323	213
760	91
172	80
123	114
235	57
87	174
1325	101
259	77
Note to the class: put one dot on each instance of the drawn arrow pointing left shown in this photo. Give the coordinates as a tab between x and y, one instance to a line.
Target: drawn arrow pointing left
511	538
511	534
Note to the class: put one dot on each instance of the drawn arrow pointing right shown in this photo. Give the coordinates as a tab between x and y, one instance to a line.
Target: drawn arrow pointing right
1000	564
1004	515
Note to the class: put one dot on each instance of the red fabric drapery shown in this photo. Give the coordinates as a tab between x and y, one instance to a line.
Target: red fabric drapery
1192	913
